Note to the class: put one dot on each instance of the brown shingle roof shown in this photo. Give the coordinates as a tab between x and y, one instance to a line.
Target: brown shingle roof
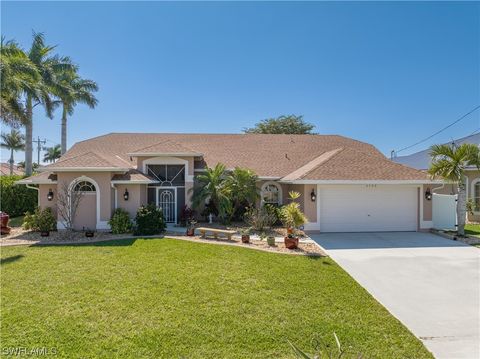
132	176
43	177
168	146
267	155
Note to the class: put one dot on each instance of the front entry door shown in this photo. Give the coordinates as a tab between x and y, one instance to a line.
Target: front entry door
166	200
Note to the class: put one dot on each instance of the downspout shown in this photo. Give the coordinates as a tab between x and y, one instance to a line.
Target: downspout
115	196
38	193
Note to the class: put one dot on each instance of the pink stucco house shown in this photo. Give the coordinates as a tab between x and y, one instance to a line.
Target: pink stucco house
346	185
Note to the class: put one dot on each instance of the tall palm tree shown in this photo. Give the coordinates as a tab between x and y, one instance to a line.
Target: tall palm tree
450	162
17	76
52	154
49	67
74	90
14	141
212	186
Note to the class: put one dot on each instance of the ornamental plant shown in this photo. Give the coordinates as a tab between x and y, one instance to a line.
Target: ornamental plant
149	220
41	220
120	222
291	215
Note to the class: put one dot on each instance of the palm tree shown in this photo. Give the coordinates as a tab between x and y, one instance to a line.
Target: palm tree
450	162
14	141
49	67
211	186
18	75
52	154
241	183
75	90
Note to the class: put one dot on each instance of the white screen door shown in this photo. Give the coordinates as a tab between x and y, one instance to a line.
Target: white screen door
166	200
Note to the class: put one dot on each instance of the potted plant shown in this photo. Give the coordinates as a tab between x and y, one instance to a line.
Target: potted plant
191	227
89	233
271	241
245	232
292	218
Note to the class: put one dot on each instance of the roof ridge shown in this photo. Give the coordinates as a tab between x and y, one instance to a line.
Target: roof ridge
162	142
313	164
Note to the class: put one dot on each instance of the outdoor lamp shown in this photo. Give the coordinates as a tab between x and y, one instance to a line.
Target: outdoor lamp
313	196
428	194
50	194
125	195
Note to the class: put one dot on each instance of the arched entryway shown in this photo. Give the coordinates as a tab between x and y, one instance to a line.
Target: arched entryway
88	209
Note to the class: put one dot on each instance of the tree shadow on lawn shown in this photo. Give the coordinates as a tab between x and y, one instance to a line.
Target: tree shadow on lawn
10	259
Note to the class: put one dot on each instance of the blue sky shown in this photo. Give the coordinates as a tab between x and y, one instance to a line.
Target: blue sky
385	73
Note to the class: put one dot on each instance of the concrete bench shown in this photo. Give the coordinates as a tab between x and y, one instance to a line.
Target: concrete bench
215	232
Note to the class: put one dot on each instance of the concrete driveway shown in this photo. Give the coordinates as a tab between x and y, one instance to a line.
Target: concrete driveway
431	284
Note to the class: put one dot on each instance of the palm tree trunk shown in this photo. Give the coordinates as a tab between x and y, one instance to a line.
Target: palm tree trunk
461	208
64	131
29	137
11	161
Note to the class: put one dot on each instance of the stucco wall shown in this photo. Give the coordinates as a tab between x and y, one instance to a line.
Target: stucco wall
43	202
134	198
103	189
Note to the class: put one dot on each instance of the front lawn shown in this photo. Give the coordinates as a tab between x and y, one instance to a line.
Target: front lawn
169	298
472	230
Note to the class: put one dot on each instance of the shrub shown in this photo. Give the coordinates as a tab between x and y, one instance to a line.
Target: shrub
149	220
120	222
259	218
16	199
40	220
186	215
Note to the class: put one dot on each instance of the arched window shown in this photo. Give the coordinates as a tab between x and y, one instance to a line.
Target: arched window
272	194
84	186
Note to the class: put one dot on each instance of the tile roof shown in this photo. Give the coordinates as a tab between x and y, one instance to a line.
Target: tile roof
268	155
5	170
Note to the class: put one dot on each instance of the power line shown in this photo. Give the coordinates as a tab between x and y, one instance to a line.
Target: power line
439	131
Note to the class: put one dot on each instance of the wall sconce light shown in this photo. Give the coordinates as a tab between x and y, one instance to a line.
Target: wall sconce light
50	194
428	194
313	196
125	195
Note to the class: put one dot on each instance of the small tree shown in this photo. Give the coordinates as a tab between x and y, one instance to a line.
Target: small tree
68	201
450	162
291	215
290	125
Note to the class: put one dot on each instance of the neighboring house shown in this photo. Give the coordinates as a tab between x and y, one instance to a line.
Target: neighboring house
421	160
5	169
345	185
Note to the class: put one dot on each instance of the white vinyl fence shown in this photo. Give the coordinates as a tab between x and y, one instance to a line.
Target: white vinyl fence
444	211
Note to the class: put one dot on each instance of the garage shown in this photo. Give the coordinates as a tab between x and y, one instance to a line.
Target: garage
368	208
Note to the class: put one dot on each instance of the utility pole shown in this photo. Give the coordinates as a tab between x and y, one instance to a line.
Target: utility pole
39	148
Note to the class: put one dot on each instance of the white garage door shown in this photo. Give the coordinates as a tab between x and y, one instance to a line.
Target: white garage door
368	208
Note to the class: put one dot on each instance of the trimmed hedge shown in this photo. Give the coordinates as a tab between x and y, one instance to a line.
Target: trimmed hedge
149	220
15	200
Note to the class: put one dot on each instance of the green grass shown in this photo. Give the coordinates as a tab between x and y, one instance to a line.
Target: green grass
16	221
472	230
169	298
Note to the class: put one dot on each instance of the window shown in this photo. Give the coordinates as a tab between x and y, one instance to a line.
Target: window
168	175
476	195
84	186
271	194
